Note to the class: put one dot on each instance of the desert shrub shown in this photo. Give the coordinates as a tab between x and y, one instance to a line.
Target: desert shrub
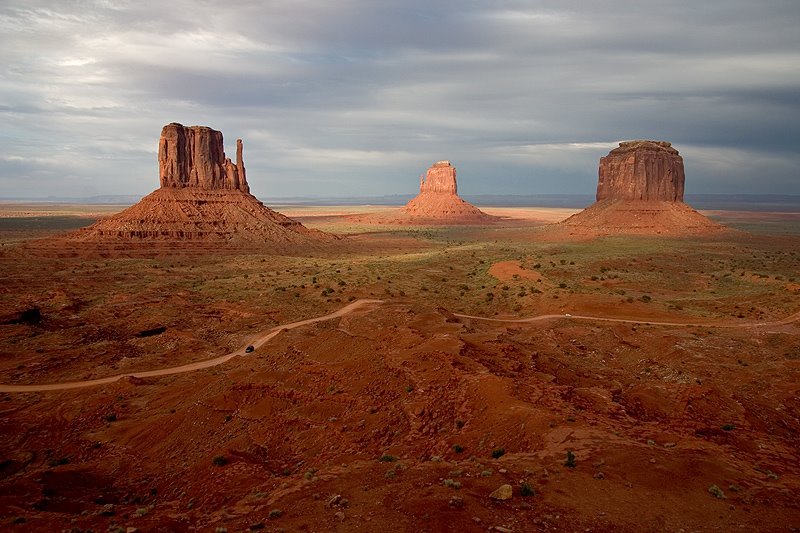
386	458
219	460
458	448
716	492
498	452
452	483
570	462
58	462
526	489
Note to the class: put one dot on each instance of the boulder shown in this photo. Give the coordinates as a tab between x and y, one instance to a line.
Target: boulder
503	492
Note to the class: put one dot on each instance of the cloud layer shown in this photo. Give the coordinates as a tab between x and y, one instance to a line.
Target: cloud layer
360	96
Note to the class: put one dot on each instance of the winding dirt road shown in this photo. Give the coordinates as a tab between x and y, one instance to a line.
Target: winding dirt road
784	321
256	342
265	337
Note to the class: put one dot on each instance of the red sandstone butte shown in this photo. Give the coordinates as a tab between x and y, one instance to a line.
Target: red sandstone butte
642	170
438	201
204	196
640	191
194	157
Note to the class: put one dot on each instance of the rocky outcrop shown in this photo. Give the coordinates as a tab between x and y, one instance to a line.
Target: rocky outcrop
640	192
204	197
440	178
642	170
438	201
194	156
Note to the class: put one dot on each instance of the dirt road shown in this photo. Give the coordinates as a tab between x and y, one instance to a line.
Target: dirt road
256	342
265	337
784	321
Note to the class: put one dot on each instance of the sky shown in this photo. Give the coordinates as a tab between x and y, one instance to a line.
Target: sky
359	97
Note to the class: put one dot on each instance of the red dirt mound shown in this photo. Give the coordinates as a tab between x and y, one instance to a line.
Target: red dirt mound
614	217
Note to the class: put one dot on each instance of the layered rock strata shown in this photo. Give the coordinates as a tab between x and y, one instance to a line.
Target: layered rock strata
640	191
641	170
194	156
204	196
438	201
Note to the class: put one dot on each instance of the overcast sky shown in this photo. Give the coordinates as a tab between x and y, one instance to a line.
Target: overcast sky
359	97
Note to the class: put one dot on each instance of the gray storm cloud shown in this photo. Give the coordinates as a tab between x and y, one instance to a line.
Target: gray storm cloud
359	97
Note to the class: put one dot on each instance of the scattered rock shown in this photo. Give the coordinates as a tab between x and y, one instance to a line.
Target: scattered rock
504	492
107	510
456	502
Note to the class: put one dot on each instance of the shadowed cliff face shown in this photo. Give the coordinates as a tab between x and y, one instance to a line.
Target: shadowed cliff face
642	170
194	156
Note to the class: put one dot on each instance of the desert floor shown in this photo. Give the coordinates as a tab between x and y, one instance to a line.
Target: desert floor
399	377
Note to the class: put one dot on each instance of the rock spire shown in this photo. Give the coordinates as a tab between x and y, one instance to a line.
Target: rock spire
194	156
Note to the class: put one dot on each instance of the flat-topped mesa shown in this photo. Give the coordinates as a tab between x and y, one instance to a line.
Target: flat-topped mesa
641	170
194	156
440	178
640	192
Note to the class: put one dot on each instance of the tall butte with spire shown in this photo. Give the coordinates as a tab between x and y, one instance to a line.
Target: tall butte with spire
204	197
438	201
640	191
